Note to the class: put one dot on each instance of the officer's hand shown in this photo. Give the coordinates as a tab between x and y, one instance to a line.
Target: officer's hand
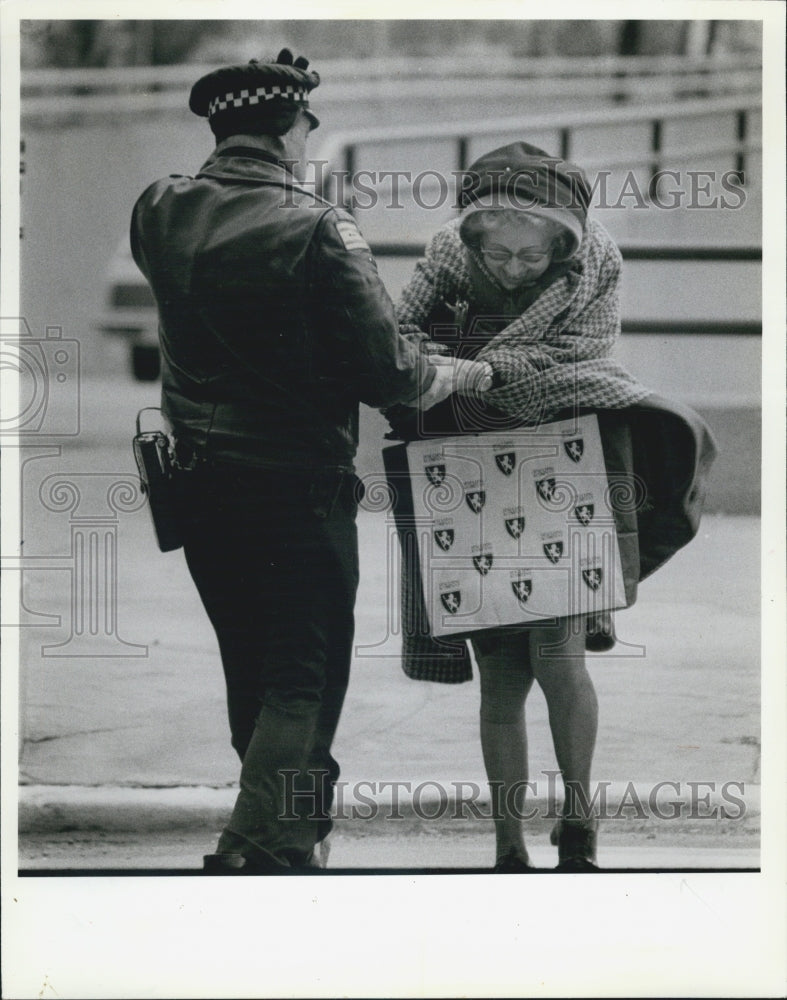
454	375
472	376
435	347
442	386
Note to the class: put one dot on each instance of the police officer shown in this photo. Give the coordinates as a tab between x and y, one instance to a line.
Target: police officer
274	324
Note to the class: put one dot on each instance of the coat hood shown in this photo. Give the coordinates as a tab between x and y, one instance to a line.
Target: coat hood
527	179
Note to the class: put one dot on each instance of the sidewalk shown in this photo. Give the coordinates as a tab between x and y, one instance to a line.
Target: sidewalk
140	744
136	739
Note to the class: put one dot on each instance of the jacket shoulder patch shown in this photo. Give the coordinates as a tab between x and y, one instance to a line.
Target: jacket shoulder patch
351	236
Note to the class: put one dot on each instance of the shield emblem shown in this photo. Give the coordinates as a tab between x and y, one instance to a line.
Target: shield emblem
451	601
515	526
436	474
522	589
575	449
476	500
553	551
593	577
506	462
584	513
483	563
546	487
444	538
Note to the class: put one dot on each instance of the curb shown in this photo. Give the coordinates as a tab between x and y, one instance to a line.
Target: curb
118	808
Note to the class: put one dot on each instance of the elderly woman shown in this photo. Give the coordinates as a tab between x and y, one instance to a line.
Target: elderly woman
527	284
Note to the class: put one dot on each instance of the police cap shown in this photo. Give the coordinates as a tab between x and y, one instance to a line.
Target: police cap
257	97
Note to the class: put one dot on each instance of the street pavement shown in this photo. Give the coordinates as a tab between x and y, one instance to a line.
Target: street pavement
415	848
125	756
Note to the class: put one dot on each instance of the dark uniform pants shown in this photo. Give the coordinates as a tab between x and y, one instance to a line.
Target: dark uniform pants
275	559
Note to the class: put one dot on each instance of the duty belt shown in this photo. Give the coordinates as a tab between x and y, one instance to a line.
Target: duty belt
188	456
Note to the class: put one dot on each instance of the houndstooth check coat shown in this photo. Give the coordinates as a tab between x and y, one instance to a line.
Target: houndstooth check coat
553	356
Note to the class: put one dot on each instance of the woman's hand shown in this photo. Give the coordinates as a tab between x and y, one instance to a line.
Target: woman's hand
471	376
455	375
435	347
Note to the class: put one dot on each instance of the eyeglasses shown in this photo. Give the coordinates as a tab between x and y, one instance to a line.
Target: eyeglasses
524	256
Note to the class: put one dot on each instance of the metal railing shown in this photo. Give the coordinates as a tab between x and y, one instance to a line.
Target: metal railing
681	68
340	157
340	153
654	254
64	93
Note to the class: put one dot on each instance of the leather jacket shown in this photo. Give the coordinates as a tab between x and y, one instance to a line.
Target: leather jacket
274	323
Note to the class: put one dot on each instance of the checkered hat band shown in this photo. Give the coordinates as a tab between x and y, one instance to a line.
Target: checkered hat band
248	98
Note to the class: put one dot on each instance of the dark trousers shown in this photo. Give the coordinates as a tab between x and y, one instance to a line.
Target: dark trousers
274	557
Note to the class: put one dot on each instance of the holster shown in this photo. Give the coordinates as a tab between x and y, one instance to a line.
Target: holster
153	455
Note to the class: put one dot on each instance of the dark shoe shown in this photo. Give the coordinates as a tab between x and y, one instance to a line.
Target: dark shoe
223	864
512	864
313	863
318	857
237	864
577	865
600	632
576	845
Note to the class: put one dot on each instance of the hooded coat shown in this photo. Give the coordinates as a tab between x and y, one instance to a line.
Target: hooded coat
549	346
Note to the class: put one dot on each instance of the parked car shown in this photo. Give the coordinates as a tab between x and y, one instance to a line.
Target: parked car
130	312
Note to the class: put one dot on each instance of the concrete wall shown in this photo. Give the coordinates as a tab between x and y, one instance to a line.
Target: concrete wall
82	178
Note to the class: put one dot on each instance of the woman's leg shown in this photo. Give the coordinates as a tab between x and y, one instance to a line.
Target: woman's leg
503	666
557	658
